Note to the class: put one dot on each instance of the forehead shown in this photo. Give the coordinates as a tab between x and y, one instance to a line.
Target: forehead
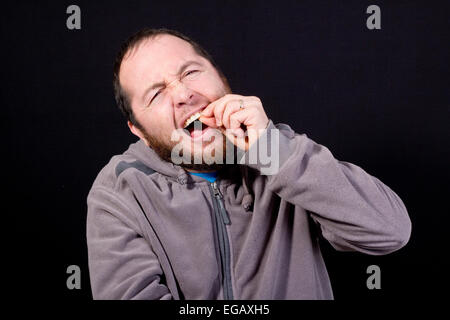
153	58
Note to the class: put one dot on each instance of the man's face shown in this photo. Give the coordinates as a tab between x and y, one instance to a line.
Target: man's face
167	82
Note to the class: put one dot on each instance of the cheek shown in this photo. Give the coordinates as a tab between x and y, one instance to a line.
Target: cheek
160	123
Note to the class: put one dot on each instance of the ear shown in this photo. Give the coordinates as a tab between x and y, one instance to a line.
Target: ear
134	130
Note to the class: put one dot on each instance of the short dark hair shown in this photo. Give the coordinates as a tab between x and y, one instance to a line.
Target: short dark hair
122	100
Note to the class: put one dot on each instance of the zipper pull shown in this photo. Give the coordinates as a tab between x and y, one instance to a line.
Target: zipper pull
219	197
216	190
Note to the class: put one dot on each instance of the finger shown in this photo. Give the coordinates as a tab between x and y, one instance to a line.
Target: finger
208	111
244	117
235	138
209	121
232	106
218	112
237	132
240	117
222	106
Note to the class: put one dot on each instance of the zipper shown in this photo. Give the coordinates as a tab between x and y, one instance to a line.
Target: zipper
222	219
219	197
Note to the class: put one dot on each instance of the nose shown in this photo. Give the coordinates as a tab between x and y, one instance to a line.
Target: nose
181	94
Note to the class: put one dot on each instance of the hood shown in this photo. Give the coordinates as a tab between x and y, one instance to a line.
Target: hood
150	158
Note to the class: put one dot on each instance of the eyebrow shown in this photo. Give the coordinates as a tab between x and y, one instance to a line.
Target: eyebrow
161	84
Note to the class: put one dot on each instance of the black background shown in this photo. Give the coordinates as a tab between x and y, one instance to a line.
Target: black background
376	98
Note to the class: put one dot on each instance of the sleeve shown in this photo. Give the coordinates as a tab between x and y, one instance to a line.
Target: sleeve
356	211
122	265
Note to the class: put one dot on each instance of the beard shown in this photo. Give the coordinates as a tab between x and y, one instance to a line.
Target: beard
163	148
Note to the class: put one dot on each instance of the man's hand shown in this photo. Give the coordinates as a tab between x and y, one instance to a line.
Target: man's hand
236	116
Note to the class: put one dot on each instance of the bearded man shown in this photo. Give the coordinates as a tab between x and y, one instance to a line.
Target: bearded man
197	210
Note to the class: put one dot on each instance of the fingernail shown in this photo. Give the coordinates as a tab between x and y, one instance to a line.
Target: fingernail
239	134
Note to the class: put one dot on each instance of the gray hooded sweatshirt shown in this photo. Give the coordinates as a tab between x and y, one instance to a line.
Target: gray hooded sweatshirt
156	232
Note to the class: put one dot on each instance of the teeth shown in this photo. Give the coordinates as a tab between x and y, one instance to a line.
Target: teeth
191	119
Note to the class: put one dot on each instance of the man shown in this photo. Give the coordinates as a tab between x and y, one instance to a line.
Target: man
161	228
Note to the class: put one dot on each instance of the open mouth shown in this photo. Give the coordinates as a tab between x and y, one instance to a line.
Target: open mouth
195	127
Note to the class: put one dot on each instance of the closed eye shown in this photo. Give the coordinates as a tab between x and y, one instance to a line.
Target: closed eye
190	72
156	94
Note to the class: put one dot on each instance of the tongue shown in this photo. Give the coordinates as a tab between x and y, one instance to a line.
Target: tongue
196	133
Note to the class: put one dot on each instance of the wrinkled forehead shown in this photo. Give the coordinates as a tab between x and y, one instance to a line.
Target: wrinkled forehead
153	58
